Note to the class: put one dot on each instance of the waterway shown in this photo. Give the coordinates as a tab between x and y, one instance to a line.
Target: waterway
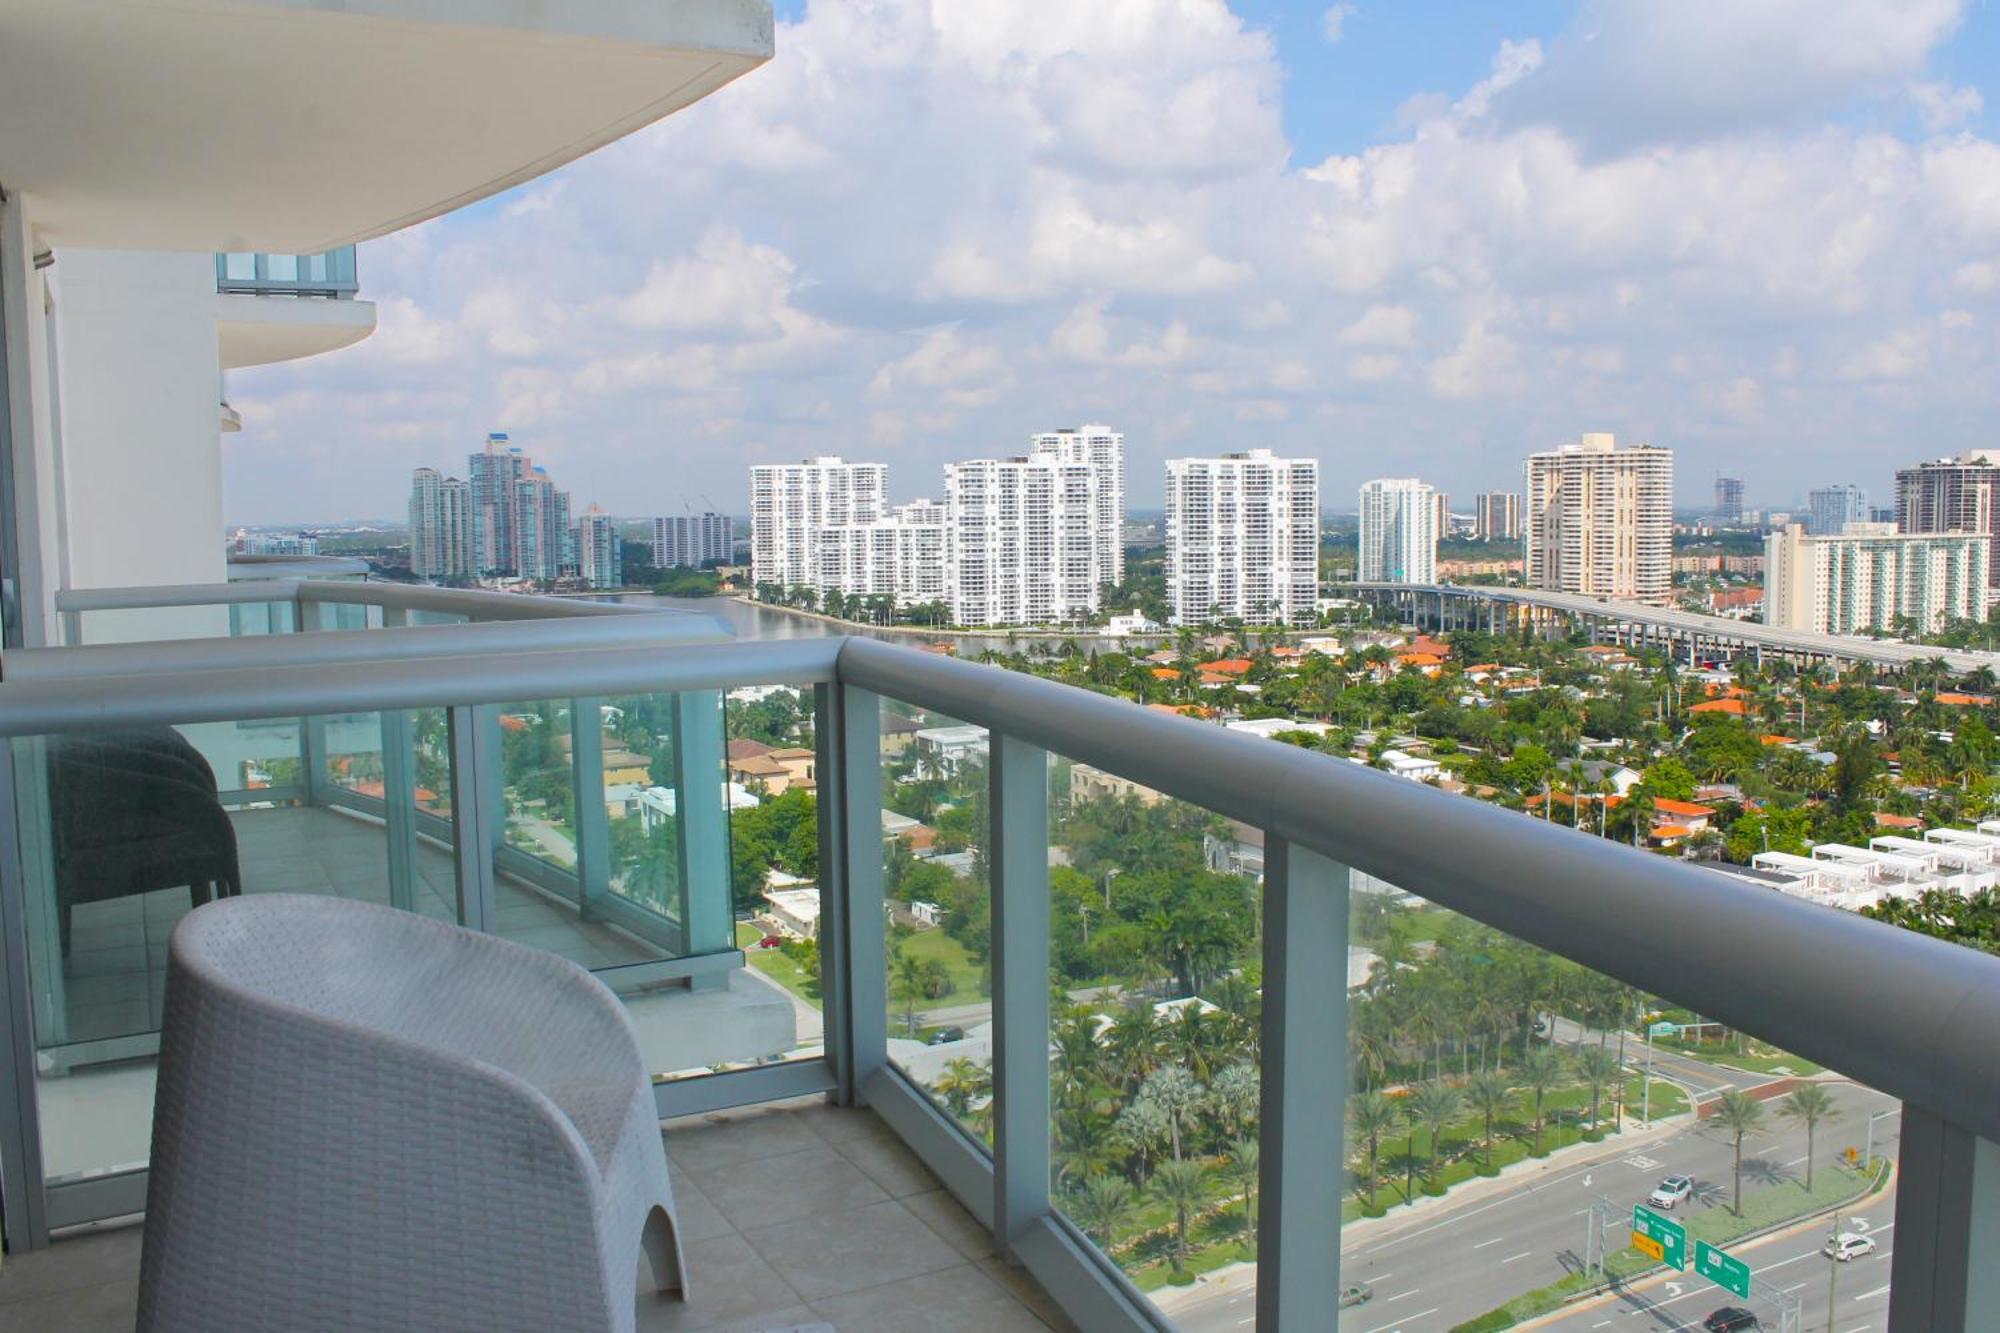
749	620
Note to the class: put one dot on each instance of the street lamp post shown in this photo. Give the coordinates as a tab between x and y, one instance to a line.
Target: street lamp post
1646	1094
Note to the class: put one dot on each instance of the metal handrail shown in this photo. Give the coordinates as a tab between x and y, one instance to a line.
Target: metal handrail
475	603
295	566
398	643
1905	1013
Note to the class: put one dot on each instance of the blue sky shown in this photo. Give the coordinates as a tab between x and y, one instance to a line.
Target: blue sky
1765	235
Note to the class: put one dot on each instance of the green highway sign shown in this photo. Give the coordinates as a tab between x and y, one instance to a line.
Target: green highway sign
1665	1239
1719	1268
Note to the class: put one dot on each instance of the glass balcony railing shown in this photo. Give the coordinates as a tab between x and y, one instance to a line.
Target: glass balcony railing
1206	1031
329	273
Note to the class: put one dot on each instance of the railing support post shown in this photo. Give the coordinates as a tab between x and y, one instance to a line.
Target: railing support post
1301	1163
399	806
1018	806
707	914
25	1220
593	821
1947	1225
477	812
848	734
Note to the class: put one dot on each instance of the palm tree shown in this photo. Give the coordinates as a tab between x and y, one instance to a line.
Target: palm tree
1599	1067
1740	1115
1489	1095
1373	1115
1184	1187
1541	1069
909	981
1809	1103
961	1083
1104	1204
1437	1104
1243	1165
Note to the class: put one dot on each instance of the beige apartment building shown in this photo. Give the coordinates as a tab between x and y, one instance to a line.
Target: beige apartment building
1872	577
1600	520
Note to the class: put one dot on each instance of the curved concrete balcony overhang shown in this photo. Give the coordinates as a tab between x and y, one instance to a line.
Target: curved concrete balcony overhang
259	330
301	125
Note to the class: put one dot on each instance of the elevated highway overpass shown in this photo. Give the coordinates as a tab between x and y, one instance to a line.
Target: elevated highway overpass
1477	606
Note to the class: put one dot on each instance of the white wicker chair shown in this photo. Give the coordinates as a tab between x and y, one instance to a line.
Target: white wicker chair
370	1120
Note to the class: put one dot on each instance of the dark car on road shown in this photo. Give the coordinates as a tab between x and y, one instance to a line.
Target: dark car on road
943	1035
1730	1319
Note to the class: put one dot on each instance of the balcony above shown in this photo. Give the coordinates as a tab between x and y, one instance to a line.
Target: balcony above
273	308
127	124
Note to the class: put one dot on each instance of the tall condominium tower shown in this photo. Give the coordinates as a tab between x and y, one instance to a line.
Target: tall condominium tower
1954	495
1399	531
440	526
494	474
902	556
1728	499
789	502
1871	577
1242	538
691	539
1104	450
1834	507
1498	518
544	543
1023	540
599	548
1600	520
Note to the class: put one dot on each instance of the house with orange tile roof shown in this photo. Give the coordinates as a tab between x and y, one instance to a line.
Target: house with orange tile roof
1732	707
1693	818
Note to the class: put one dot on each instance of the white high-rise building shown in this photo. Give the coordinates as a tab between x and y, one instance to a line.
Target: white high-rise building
1599	520
1104	450
1022	541
440	526
901	556
599	549
1834	507
1242	538
789	502
1399	531
691	539
1871	577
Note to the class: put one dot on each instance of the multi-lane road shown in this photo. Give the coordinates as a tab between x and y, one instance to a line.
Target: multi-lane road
1454	1263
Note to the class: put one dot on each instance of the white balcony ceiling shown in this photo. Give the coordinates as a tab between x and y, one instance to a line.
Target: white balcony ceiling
299	125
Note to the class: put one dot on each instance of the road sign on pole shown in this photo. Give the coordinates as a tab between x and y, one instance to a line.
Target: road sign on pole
1729	1273
1659	1237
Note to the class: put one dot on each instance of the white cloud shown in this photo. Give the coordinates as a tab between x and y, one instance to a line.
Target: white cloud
1333	22
925	228
1942	107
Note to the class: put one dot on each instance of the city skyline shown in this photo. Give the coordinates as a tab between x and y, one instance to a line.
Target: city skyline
1241	277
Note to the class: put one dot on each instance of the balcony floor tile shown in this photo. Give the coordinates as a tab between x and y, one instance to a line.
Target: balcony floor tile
850	1261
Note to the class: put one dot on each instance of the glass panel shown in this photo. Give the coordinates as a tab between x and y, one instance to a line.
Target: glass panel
313	268
122	833
939	925
281	268
1523	1101
773	804
539	786
1154	942
247	619
240	266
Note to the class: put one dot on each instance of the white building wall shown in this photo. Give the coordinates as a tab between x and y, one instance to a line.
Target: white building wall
1871	576
1022	540
789	502
137	463
1243	537
1104	450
